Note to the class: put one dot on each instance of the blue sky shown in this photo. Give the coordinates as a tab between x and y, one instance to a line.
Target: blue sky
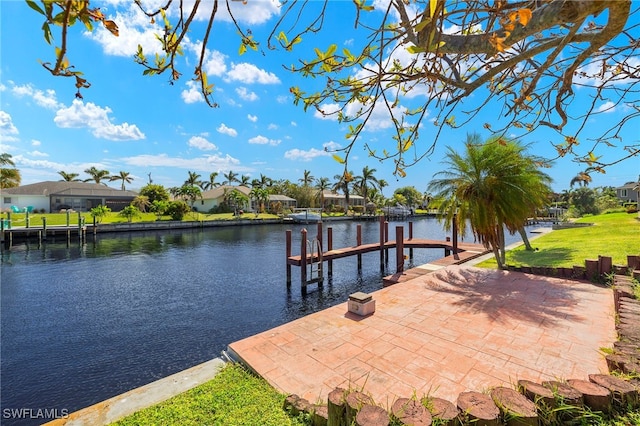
143	125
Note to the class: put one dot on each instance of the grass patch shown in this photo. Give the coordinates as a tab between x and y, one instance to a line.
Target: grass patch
616	235
233	397
57	219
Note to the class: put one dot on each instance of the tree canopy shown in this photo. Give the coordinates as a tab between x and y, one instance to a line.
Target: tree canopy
524	59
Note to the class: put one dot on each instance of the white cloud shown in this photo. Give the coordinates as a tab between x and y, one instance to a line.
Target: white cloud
249	73
134	27
262	140
282	99
298	154
227	130
205	164
252	118
272	126
7	129
329	111
294	124
201	143
606	107
38	154
81	115
45	99
246	94
192	93
36	142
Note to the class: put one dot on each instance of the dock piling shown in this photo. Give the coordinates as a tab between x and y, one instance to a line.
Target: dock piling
399	249
329	248
381	221
288	253
359	243
411	237
44	227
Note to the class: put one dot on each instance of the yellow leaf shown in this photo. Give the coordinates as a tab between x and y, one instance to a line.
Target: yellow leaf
406	146
420	26
432	7
338	158
401	172
243	49
525	16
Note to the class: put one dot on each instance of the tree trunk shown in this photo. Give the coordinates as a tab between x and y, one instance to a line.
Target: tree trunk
525	239
503	250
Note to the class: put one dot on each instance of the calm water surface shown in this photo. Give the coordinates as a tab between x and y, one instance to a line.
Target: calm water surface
82	323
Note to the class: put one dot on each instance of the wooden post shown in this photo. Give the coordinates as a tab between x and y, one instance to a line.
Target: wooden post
386	239
399	249
381	220
303	259
288	254
329	248
359	243
319	236
27	219
68	218
455	233
79	227
95	227
44	227
411	237
447	252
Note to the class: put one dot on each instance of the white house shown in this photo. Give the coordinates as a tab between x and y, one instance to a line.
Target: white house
53	196
215	197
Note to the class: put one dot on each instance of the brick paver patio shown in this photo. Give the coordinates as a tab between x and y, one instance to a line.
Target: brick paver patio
457	329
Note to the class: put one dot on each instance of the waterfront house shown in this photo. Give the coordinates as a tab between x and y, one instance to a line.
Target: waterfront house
628	193
52	196
332	198
215	197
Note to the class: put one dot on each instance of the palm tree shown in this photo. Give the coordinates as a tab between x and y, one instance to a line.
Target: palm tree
262	182
322	184
307	179
193	180
211	183
6	160
245	180
124	177
581	178
261	195
96	175
494	185
343	183
362	182
69	177
230	178
9	177
141	202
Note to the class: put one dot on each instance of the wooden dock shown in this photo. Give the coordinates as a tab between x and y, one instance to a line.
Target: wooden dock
41	233
313	256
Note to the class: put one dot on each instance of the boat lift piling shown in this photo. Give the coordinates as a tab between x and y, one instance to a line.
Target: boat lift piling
312	255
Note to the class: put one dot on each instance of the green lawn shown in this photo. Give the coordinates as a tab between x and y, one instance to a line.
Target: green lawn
615	234
233	397
53	219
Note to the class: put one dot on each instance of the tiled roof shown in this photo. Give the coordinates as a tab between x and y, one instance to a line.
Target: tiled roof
218	192
63	188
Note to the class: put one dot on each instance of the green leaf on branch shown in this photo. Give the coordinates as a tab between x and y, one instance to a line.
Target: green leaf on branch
415	49
35	7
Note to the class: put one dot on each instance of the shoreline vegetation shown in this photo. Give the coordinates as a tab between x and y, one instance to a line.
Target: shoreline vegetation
237	397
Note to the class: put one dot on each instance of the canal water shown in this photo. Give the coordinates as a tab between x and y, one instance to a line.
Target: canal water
84	322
